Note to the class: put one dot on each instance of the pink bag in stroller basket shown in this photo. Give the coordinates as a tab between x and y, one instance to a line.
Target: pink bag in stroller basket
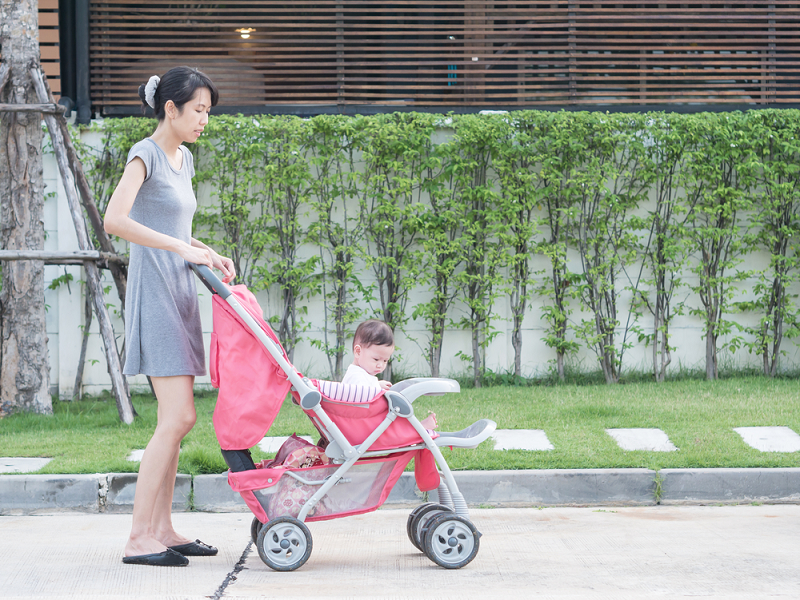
368	439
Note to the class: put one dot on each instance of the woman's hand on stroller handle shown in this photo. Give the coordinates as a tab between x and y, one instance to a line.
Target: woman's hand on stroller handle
224	265
210	280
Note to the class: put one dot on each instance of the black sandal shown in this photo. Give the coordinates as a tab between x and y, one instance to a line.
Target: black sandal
167	558
195	548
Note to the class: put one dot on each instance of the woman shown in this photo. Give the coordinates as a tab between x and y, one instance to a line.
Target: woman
152	208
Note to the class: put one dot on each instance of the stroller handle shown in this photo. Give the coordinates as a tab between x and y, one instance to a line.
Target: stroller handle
211	281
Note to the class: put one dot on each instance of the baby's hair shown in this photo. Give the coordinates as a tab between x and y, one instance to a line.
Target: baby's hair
373	333
179	84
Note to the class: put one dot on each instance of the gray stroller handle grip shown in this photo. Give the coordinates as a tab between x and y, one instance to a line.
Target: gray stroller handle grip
211	281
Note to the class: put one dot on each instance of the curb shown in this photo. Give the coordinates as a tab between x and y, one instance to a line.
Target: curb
114	492
121	488
700	486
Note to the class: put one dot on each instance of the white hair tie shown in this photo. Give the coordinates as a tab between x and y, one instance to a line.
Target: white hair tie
150	90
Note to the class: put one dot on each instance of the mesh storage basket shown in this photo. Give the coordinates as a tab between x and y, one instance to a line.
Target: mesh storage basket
272	493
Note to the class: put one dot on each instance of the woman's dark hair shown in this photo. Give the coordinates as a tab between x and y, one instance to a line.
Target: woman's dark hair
179	84
373	333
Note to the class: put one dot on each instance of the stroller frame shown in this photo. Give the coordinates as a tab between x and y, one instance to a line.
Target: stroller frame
441	530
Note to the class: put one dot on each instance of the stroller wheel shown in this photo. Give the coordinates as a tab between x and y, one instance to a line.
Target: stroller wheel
255	527
284	544
451	541
419	517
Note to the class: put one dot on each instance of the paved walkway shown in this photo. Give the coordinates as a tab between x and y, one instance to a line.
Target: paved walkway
615	553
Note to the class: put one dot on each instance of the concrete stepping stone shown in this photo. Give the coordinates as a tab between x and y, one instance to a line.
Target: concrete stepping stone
136	455
770	439
652	440
271	445
521	439
22	465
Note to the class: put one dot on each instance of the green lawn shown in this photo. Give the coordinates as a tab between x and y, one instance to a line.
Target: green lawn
698	417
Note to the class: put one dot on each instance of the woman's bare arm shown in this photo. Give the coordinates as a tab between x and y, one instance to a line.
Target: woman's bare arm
118	222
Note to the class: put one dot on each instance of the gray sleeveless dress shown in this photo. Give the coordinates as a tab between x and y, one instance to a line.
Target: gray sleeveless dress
163	335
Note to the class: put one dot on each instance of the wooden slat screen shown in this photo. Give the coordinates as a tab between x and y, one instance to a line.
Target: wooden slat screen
48	44
454	54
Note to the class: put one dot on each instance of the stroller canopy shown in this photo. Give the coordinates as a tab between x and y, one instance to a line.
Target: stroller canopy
251	385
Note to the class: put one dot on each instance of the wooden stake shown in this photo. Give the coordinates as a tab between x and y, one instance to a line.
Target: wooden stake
40	108
76	257
118	384
5	72
87	315
119	271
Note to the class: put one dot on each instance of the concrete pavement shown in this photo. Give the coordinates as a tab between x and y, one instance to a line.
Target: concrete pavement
744	551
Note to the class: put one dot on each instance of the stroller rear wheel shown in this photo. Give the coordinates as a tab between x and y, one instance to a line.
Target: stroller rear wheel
451	541
419	517
255	527
284	544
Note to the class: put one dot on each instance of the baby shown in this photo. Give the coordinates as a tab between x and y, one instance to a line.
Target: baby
373	346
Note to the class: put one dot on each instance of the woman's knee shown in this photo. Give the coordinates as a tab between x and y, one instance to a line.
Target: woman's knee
184	422
177	425
176	409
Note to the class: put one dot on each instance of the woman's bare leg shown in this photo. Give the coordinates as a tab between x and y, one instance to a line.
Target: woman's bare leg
152	504
162	516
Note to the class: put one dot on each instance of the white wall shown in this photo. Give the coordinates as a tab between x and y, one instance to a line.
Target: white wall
65	320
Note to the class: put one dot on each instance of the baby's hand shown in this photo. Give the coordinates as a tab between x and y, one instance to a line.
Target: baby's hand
385	385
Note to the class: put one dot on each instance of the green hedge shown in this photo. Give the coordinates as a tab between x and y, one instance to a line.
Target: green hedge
459	210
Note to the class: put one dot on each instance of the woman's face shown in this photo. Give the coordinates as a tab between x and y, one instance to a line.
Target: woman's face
190	122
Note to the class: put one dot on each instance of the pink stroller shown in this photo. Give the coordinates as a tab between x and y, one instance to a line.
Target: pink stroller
368	436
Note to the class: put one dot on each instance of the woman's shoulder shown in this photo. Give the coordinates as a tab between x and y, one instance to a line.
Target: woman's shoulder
147	151
143	148
145	144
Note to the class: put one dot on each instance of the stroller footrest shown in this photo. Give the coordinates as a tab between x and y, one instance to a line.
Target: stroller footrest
471	437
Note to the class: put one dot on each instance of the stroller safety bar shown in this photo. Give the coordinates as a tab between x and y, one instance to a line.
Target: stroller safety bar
425	386
471	437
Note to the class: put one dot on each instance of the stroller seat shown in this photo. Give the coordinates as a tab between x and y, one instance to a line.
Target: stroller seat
357	410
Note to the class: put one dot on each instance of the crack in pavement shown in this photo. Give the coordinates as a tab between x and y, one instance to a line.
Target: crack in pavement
232	575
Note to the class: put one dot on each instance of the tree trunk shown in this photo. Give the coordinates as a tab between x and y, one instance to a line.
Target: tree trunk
656	366
24	363
711	353
476	357
435	346
516	342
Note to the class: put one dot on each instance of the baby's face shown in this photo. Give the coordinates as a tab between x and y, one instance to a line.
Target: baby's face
372	359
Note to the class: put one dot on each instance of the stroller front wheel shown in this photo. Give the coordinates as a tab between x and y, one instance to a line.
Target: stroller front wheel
284	544
451	541
417	520
255	527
